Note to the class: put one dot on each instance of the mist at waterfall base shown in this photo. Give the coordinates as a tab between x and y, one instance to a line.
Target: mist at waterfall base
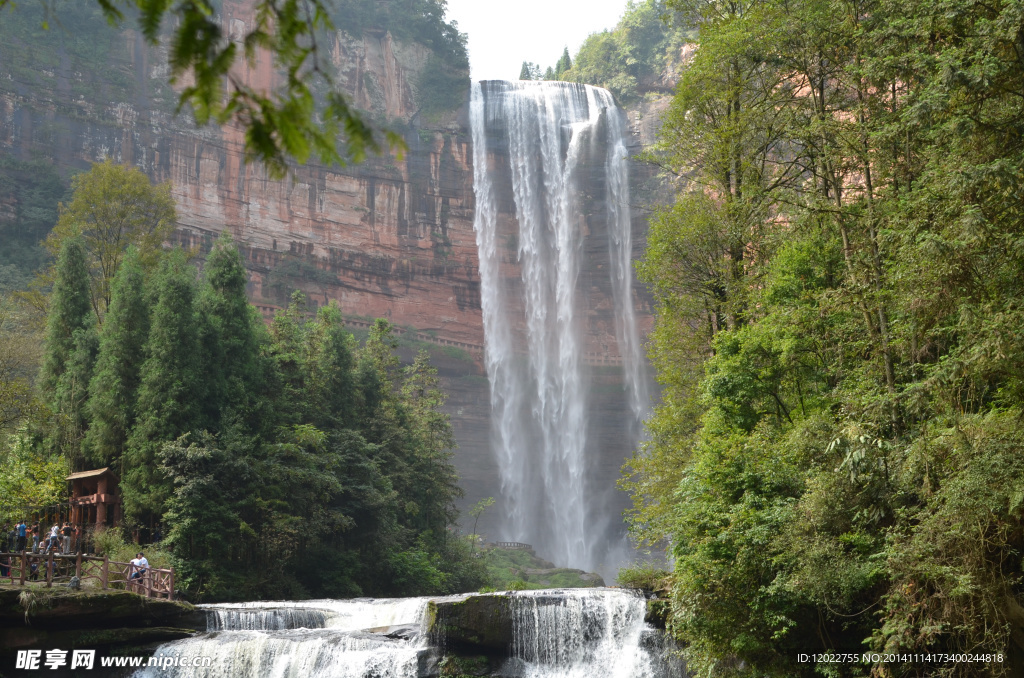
554	234
575	633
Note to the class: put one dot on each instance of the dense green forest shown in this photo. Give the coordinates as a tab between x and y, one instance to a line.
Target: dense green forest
838	460
279	461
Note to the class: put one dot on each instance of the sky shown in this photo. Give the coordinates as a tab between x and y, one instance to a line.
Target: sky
505	33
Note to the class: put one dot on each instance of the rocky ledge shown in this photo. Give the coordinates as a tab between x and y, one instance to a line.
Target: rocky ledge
49	618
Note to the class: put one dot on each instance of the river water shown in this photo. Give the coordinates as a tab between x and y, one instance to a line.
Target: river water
567	633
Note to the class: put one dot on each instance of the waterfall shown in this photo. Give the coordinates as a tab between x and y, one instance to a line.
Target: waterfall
344	639
572	633
586	634
532	227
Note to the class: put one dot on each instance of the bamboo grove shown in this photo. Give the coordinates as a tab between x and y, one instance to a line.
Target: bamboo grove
838	460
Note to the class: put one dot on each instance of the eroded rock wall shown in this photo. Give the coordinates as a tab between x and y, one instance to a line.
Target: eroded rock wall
392	237
389	238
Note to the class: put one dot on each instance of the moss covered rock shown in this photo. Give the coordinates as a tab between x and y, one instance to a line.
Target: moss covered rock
41	608
477	624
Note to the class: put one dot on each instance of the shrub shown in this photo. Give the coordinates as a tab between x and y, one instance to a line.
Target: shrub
643	576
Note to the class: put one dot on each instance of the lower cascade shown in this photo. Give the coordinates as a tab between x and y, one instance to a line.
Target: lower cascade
559	633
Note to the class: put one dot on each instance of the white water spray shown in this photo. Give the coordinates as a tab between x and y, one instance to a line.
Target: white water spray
567	633
552	135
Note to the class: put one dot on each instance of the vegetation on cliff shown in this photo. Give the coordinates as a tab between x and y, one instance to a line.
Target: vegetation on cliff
629	60
79	50
30	192
837	461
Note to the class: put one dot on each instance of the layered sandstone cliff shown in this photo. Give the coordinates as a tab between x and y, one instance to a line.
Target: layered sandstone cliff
388	238
392	237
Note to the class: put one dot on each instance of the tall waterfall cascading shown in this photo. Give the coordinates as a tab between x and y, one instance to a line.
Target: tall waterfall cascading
569	633
530	214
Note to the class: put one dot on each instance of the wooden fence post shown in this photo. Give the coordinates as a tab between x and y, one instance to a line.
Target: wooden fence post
49	570
24	566
170	589
105	572
78	565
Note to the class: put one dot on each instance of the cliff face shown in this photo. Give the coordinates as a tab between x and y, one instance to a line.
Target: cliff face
388	238
392	237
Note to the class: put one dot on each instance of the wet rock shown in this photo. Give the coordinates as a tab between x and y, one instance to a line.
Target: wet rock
25	637
68	609
398	632
477	624
657	612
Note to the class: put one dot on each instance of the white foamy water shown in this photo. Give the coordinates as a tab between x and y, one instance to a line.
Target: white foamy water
305	639
584	633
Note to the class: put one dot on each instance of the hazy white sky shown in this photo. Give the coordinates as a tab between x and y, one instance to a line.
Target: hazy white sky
505	33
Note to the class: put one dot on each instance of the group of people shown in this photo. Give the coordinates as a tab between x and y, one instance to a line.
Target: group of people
58	539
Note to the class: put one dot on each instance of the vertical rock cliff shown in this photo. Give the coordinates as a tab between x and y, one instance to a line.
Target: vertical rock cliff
392	237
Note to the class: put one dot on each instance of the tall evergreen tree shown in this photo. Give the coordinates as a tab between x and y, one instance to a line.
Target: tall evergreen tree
330	396
564	63
171	389
288	354
433	442
115	385
72	394
234	372
70	310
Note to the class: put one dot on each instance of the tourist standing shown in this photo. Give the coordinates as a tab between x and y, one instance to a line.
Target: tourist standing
51	541
66	531
35	537
22	529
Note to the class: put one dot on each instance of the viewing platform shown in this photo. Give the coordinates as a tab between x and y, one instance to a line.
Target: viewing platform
46	570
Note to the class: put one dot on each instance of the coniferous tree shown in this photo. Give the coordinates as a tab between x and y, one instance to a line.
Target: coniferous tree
69	352
70	310
171	389
329	361
72	394
433	442
526	72
115	385
287	354
234	371
377	380
564	63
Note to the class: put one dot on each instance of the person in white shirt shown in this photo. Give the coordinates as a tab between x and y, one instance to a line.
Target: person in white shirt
139	565
53	539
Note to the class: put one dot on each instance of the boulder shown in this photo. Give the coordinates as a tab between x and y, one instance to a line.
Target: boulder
481	624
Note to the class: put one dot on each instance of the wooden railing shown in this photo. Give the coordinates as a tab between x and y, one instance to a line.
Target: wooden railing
45	569
513	545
